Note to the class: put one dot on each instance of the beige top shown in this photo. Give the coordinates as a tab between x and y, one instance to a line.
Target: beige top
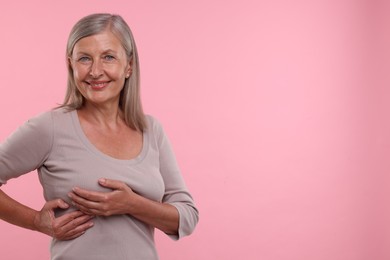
55	144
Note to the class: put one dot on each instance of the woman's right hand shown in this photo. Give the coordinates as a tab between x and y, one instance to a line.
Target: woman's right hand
65	227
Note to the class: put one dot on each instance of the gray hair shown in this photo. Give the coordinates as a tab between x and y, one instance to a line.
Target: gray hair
130	100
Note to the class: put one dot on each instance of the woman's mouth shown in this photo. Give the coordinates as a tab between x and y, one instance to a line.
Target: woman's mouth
98	85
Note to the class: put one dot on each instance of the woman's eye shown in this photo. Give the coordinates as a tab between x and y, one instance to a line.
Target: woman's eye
109	58
84	59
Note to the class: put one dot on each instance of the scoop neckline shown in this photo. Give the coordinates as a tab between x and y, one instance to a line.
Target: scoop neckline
83	137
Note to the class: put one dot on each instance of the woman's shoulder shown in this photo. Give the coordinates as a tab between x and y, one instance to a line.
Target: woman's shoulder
46	119
42	119
154	126
153	123
61	111
46	115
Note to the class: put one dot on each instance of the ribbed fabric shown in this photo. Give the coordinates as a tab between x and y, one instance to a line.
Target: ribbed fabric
55	144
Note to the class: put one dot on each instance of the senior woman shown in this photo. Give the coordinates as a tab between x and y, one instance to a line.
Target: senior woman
108	172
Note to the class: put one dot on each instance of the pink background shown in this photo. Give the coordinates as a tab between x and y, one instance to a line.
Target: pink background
278	112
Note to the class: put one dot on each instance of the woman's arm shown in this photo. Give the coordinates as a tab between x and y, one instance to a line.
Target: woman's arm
68	226
23	151
15	213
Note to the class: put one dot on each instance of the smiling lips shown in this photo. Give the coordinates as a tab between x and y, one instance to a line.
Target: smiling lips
98	85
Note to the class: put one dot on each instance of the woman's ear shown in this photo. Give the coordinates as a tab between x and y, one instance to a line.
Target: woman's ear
70	64
129	69
128	74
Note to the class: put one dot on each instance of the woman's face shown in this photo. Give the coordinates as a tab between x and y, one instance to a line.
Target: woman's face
100	67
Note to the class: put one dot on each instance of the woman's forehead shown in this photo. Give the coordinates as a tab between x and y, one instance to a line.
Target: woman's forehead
104	41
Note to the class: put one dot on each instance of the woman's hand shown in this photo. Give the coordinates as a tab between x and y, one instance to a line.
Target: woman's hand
65	227
119	201
122	200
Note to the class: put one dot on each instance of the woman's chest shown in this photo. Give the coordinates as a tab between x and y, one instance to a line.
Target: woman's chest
75	165
125	144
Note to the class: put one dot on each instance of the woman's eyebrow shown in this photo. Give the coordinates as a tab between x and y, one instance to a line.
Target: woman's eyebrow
78	53
109	51
82	52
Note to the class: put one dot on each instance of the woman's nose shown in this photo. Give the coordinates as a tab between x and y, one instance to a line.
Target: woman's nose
96	69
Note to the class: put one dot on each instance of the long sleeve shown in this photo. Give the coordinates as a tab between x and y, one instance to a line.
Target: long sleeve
55	144
176	192
27	148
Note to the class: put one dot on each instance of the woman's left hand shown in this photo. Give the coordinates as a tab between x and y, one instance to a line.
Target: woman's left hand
118	201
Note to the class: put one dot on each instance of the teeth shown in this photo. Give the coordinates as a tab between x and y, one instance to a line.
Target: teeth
98	84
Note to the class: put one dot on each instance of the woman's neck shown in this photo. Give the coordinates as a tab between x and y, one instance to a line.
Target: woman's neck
101	116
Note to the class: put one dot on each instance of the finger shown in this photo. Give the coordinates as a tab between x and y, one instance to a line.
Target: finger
93	208
72	236
59	225
79	224
89	208
62	204
58	203
64	219
76	228
111	184
86	194
76	235
86	210
71	225
81	202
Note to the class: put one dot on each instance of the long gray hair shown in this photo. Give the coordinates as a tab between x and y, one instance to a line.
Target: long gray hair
130	100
